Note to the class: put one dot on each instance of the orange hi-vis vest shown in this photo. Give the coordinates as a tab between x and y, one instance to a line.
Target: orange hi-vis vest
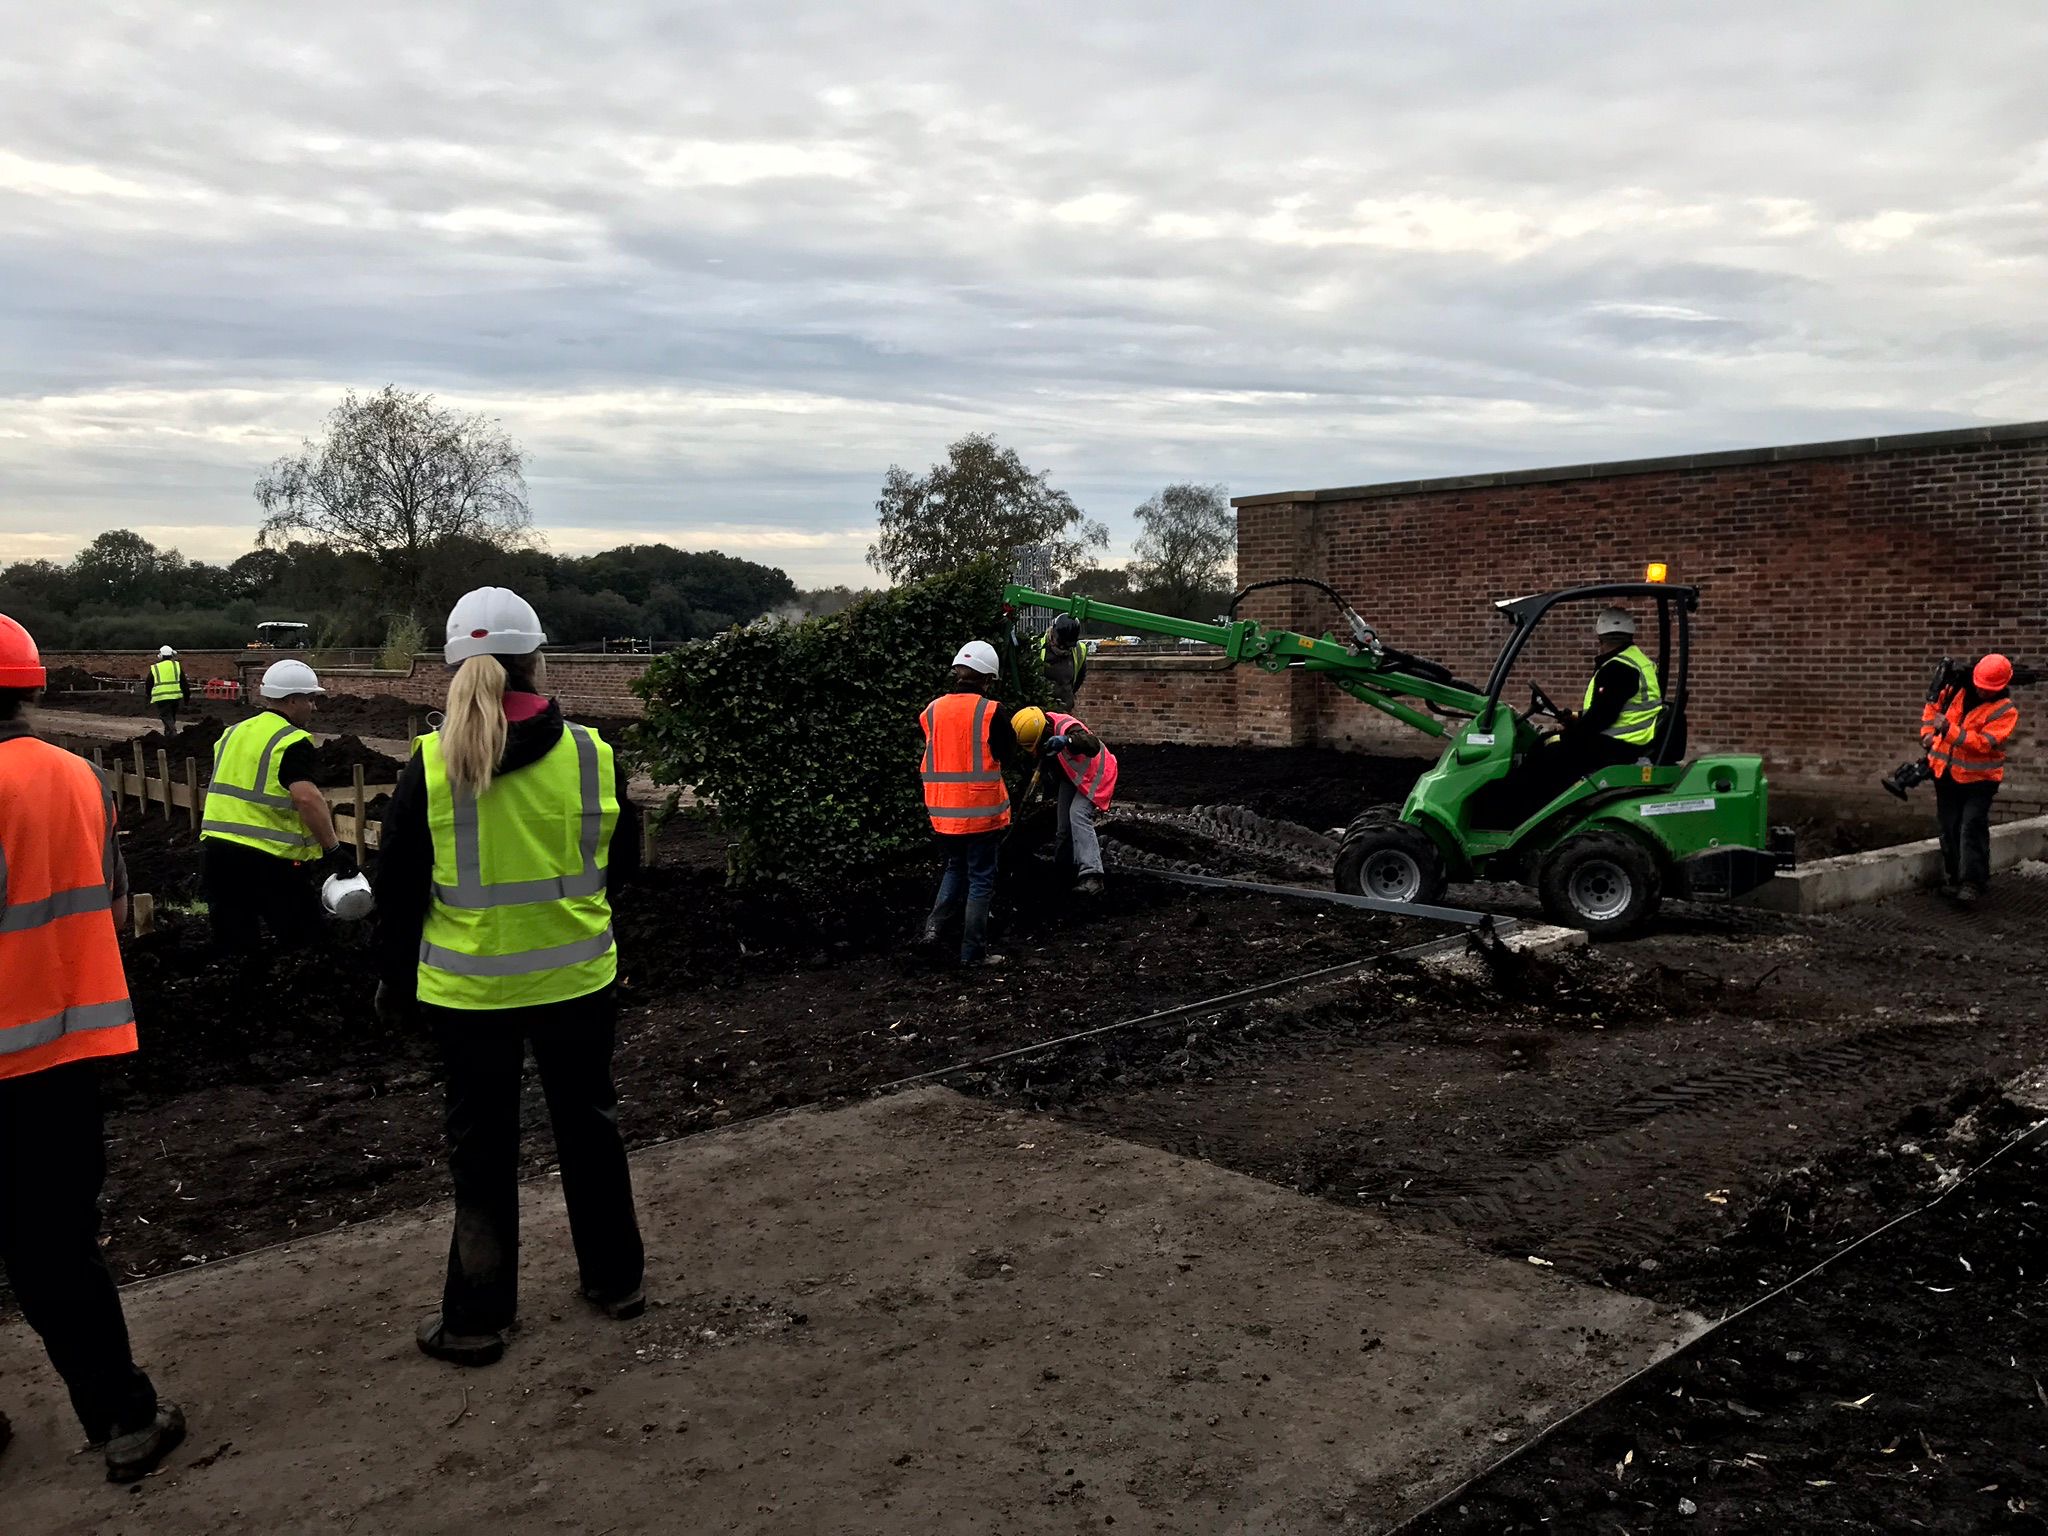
1964	745
63	994
963	782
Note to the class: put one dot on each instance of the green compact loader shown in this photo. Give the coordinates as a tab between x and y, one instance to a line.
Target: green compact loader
1602	853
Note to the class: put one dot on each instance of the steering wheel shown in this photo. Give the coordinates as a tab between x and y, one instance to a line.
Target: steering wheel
1540	703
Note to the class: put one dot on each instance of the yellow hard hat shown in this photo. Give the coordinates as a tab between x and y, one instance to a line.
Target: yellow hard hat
1029	724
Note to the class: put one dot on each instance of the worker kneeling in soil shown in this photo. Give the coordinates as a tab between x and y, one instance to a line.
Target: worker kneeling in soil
967	739
63	1005
266	824
168	689
1087	783
1965	733
507	832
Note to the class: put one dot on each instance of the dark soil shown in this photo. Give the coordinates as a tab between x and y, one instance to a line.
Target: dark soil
1319	787
196	741
264	1105
1901	1389
335	762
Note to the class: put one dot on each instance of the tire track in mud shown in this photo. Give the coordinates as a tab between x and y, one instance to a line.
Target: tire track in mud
1586	1195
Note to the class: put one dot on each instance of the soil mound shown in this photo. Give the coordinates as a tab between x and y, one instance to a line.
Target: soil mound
63	678
334	764
196	740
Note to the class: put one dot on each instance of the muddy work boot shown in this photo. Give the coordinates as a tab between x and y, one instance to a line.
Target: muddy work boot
460	1348
135	1455
1089	884
935	925
1968	895
620	1309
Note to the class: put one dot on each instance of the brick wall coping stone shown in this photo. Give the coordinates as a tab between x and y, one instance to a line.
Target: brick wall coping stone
1851	447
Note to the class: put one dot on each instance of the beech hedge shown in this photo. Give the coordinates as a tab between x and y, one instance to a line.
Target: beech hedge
806	734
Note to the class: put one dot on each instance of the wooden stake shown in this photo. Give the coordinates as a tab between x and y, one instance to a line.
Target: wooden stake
142	908
646	841
362	814
117	784
412	731
163	773
141	779
193	801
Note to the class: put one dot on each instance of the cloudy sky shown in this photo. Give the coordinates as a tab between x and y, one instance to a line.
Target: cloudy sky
718	266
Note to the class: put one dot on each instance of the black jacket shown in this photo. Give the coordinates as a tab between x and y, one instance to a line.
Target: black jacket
405	856
1614	685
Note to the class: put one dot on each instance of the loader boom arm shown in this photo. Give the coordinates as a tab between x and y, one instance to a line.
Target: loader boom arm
1364	671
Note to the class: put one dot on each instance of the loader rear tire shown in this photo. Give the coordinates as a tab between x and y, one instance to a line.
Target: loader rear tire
1604	882
1390	860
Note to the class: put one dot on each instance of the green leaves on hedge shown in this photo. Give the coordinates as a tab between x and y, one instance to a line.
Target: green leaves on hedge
806	734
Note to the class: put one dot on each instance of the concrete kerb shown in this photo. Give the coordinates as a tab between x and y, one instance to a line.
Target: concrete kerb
1826	885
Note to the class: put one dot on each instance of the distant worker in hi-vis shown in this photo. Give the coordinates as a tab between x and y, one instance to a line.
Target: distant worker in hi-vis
168	689
507	833
63	1007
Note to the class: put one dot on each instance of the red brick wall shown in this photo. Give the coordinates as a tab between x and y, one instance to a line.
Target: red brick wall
1188	699
199	665
1832	577
598	687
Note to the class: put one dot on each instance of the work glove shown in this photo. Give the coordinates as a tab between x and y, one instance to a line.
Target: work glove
394	1006
1056	744
340	860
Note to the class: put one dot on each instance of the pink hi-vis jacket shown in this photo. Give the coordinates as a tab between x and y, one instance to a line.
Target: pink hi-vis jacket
1094	776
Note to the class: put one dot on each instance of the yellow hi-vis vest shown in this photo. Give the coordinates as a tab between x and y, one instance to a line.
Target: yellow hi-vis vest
1637	723
247	802
166	682
519	914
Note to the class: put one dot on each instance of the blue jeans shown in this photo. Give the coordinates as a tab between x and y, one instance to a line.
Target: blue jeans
969	882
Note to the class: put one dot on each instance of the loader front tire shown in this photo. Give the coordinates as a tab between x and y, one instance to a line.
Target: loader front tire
1390	861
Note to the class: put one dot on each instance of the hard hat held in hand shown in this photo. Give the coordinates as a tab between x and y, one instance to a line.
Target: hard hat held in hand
282	679
347	896
491	621
21	664
977	656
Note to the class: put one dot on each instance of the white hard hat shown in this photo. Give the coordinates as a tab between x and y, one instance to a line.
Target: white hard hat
166	651
1614	621
347	896
491	621
979	656
285	678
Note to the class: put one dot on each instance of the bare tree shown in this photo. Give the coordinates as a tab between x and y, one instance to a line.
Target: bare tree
395	478
1187	546
981	501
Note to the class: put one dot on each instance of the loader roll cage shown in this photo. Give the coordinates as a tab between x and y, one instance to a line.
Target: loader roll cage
1675	606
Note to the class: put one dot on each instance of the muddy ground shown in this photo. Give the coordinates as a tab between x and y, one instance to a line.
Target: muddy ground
1692	1117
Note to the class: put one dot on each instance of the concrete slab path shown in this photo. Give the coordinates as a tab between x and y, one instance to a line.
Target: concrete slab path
921	1314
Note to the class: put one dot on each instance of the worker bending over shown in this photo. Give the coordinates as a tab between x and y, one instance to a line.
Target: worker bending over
967	739
1065	657
506	835
168	689
266	824
63	1005
1965	732
1087	783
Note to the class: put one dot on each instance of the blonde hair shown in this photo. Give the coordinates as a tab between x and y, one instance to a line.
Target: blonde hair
473	734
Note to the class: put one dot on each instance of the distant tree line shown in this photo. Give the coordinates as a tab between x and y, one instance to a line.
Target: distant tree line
123	593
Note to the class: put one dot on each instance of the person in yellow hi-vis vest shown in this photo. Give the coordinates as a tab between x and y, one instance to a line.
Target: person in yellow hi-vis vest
266	829
1618	722
167	689
507	833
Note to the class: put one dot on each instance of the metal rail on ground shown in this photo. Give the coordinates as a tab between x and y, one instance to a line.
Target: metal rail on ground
2029	1136
1423	910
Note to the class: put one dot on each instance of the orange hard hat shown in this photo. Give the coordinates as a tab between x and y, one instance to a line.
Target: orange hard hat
21	664
1992	673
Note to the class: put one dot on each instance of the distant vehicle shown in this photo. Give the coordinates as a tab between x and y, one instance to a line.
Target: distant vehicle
281	634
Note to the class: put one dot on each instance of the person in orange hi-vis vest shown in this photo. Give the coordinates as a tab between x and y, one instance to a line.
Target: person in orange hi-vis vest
64	1005
967	739
1965	731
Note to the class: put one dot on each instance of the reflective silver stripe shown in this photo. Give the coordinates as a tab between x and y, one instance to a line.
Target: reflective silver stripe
964	778
964	812
472	894
264	834
978	741
269	751
1095	773
1998	714
526	963
26	1037
33	914
254	796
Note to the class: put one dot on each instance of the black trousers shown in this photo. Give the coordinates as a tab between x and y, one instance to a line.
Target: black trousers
1963	812
168	713
247	892
485	1051
52	1164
